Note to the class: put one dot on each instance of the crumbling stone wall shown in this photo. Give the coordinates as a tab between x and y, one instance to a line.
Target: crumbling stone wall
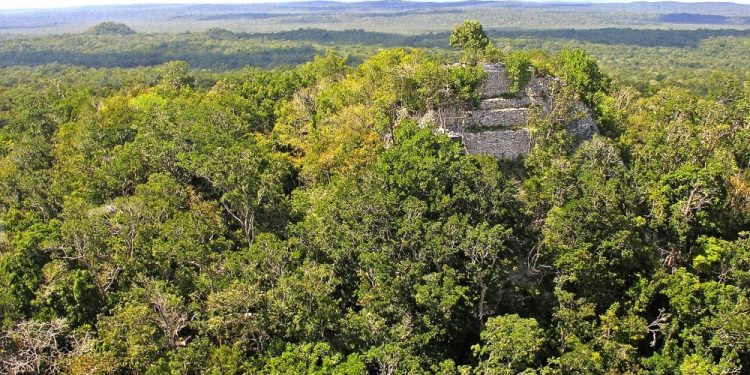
499	124
497	82
502	144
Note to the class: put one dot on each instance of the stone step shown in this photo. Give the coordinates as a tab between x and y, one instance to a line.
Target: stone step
503	103
499	118
497	82
502	144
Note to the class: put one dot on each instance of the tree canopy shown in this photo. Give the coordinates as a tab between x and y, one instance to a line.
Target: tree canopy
302	220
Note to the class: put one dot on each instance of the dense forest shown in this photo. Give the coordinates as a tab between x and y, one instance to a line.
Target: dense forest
300	219
648	60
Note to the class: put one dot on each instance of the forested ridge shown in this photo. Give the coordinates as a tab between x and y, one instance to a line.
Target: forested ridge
301	220
649	59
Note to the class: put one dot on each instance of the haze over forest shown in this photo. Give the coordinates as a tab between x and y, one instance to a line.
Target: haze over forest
380	16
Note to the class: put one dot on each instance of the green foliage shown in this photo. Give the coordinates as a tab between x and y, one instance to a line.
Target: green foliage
132	336
518	66
579	69
251	180
593	236
313	359
339	124
176	76
110	27
648	59
470	37
21	270
510	345
302	220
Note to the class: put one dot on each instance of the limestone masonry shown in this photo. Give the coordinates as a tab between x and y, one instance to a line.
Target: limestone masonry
499	125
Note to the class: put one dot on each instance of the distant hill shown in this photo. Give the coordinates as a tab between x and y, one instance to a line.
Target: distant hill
111	28
702	19
392	16
694	18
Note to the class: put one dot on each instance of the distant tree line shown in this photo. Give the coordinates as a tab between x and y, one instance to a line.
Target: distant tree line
272	57
705	19
637	37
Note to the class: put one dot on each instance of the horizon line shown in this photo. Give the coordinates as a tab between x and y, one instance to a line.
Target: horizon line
57	6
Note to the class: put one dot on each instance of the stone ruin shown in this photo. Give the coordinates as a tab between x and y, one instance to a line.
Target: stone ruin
499	126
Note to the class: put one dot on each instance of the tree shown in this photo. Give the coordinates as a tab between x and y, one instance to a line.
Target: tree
252	182
131	336
33	347
579	69
21	271
176	75
471	38
594	237
488	263
518	66
314	359
509	345
237	316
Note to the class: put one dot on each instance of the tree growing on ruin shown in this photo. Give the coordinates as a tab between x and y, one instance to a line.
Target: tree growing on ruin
471	38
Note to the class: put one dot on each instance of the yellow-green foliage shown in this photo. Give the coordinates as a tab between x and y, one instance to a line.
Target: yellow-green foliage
302	220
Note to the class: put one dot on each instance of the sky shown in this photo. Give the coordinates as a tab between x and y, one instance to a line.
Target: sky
26	4
11	4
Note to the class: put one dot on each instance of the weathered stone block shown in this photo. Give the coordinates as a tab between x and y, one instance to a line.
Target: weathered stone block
539	87
447	119
499	118
497	82
501	144
502	103
583	129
